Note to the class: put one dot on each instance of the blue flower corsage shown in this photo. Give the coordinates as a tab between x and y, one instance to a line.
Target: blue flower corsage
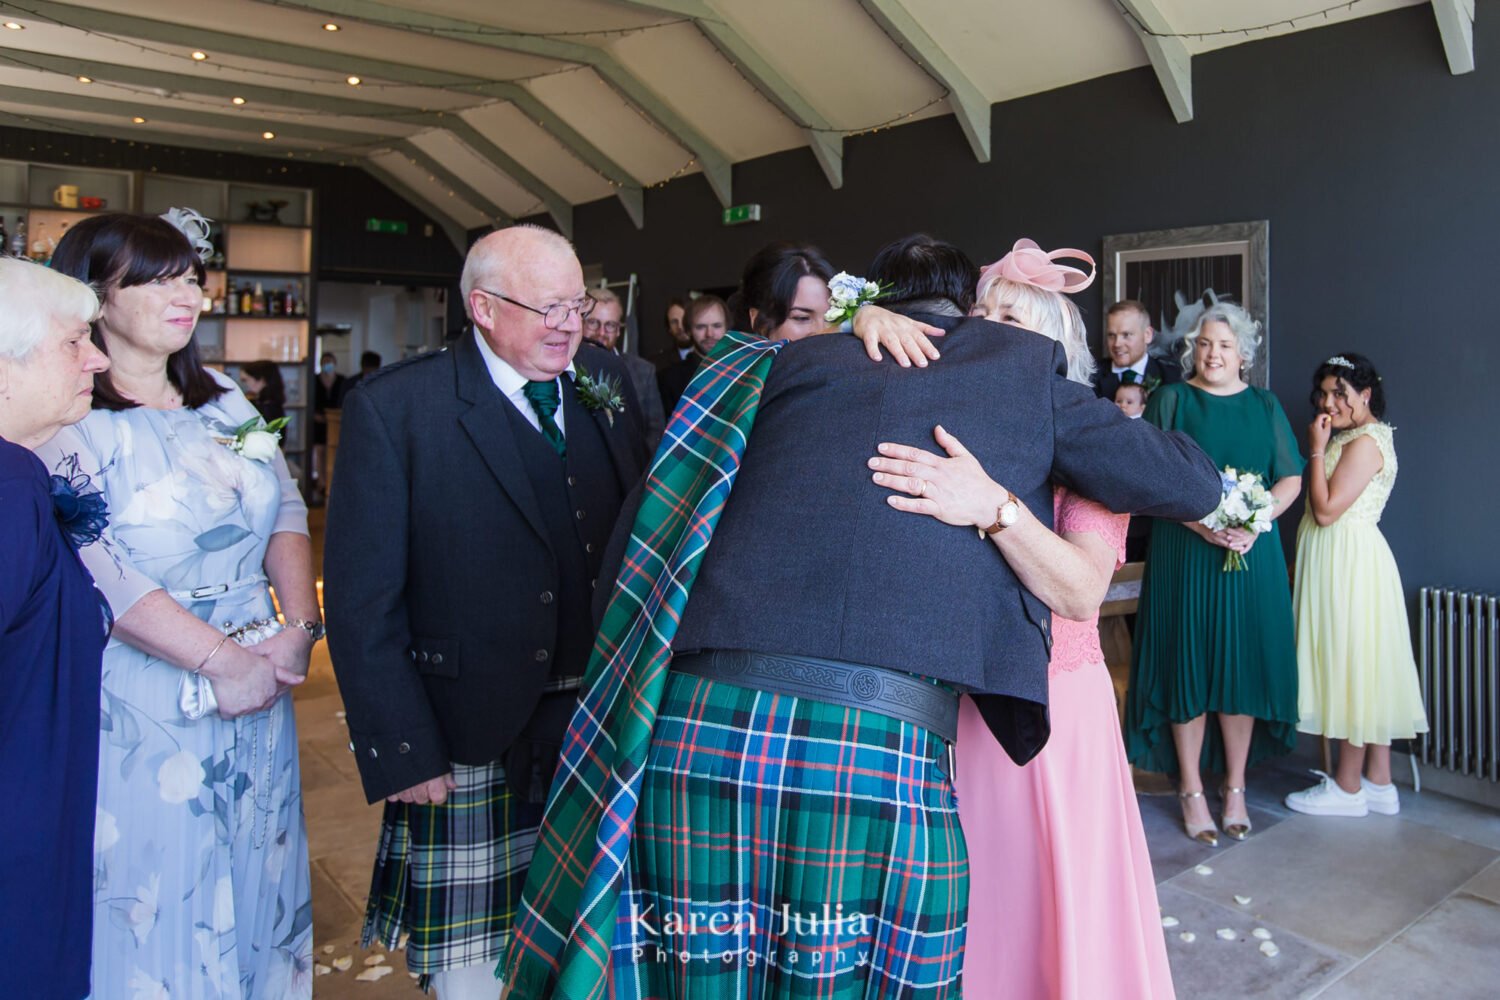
78	504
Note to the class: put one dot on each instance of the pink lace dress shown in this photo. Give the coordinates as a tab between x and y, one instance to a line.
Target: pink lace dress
1062	902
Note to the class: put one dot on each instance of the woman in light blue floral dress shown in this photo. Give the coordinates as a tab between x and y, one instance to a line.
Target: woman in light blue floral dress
201	886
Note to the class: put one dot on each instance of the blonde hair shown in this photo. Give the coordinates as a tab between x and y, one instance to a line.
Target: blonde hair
31	297
1055	316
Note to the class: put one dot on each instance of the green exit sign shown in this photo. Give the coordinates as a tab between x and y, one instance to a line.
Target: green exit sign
736	214
396	226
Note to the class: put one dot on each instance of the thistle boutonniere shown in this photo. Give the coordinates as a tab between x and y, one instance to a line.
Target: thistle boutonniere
846	294
599	393
78	504
255	439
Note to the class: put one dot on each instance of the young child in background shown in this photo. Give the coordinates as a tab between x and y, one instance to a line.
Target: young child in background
1357	680
1130	397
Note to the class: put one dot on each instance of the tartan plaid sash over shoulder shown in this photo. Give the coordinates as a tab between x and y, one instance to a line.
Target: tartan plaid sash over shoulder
566	924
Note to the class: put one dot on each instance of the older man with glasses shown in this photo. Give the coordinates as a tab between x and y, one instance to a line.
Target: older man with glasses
605	326
476	495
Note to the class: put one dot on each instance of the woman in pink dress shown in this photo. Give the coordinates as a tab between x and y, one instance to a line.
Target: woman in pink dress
1062	898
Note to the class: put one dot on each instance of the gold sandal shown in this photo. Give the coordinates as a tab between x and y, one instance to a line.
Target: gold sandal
1236	828
1207	834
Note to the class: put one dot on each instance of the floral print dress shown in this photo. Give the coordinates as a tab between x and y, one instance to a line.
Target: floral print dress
201	885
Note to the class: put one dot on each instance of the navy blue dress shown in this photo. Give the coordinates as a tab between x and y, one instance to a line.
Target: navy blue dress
52	635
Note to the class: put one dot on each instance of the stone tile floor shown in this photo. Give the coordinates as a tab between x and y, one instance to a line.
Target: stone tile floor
1382	908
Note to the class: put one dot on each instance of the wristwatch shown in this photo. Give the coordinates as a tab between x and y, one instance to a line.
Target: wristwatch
312	628
1006	515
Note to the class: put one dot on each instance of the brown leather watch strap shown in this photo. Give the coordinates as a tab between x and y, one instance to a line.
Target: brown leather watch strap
999	526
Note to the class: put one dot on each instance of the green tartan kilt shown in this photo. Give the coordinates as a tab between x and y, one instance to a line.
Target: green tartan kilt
788	848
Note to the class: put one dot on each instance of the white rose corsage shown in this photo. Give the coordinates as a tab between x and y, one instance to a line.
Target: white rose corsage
255	439
846	293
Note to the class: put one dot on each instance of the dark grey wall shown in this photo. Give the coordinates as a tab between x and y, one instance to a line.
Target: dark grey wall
1374	165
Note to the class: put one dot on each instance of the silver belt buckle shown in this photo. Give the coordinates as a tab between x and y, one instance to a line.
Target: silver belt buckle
200	592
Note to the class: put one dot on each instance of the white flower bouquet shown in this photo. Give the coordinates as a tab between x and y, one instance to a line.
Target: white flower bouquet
846	294
1247	504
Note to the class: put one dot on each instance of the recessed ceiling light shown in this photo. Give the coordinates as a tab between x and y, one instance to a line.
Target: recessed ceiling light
138	120
330	26
353	81
85	79
268	135
13	26
237	100
199	56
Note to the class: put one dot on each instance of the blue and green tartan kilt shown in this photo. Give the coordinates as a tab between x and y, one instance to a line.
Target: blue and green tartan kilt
788	848
450	876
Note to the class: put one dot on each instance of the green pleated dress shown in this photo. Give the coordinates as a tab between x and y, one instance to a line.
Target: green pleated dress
1207	640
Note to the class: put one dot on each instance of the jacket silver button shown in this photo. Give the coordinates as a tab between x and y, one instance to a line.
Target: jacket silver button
414	656
572	481
546	597
403	748
588	547
351	746
437	658
580	514
425	657
541	656
374	752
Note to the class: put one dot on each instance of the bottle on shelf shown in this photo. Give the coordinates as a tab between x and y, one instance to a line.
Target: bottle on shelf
18	244
274	303
234	299
301	301
258	301
246	299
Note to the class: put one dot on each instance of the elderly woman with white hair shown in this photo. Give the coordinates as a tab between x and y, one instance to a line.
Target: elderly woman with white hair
1062	901
201	886
1210	638
53	626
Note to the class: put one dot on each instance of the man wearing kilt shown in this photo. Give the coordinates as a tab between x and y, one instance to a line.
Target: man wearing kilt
755	797
476	492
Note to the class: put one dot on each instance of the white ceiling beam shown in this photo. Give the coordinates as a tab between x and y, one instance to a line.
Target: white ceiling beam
714	163
970	106
457	186
228	120
456	233
827	142
557	206
627	188
1455	20
1169	56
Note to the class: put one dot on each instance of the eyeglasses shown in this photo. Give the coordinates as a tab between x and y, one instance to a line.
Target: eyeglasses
610	327
554	316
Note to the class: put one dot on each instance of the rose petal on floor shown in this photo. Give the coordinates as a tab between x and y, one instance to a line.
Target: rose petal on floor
1226	934
319	969
1261	934
1269	949
1203	870
1188	937
375	960
1169	922
1242	900
374	973
344	963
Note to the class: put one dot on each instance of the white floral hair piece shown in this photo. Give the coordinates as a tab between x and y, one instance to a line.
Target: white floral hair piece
1340	361
195	227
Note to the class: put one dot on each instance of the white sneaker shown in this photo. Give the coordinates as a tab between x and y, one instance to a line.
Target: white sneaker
1380	798
1327	799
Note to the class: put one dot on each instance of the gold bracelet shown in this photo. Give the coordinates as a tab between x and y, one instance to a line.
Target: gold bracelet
210	656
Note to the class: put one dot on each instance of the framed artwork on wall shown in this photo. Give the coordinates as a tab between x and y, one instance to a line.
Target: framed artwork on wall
1178	273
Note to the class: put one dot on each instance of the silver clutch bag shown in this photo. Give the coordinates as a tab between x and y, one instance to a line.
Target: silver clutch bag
195	693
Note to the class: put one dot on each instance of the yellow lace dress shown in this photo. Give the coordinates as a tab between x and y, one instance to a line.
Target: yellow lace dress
1357	680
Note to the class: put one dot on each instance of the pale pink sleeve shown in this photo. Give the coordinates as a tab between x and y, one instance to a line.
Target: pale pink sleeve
1080	516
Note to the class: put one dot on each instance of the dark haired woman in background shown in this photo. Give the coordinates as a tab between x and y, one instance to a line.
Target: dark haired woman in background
263	385
1357	681
201	884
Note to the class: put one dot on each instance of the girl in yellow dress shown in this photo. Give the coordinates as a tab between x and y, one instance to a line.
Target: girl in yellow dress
1357	678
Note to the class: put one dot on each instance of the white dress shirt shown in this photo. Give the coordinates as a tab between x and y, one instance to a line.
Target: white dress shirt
512	385
1139	368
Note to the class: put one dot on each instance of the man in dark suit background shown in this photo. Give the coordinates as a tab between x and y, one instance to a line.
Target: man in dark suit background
706	320
674	320
604	327
1128	334
462	551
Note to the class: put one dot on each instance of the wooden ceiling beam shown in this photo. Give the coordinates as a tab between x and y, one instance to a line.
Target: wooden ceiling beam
1169	56
970	106
1455	20
715	164
127	26
827	142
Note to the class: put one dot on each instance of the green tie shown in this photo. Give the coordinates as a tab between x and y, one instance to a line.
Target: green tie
1129	376
544	400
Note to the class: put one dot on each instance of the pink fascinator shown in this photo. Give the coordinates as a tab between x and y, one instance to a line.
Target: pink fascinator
1029	264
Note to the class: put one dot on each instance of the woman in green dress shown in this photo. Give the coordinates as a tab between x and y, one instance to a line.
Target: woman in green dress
1210	639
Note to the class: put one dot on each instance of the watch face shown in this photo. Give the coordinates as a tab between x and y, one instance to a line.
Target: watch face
1009	514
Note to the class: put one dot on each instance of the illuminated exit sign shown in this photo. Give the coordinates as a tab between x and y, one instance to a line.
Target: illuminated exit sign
736	214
